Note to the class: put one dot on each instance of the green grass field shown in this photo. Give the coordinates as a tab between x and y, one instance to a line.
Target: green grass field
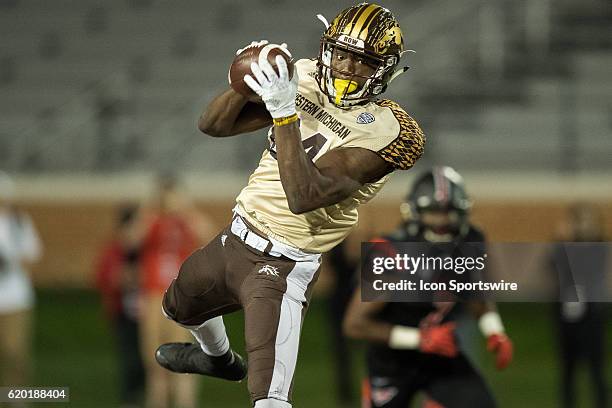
73	347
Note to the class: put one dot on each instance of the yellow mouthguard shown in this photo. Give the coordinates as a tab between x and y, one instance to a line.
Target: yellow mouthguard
343	87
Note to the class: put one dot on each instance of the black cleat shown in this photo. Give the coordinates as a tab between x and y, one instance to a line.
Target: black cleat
188	358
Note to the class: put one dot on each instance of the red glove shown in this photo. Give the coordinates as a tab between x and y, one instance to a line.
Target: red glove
439	340
501	345
429	403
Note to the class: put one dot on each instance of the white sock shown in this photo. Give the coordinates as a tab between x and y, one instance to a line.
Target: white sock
271	403
212	336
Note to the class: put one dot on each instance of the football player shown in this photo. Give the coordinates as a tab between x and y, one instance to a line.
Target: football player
412	345
332	145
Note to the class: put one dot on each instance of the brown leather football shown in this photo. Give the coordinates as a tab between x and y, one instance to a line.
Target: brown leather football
241	66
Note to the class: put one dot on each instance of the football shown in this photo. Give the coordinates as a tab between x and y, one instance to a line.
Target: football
241	66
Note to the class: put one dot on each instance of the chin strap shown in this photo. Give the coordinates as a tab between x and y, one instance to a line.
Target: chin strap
322	18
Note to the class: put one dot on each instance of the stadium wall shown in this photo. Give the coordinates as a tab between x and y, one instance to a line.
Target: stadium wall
74	233
75	215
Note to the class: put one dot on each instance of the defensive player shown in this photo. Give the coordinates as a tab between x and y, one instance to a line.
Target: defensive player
333	144
413	345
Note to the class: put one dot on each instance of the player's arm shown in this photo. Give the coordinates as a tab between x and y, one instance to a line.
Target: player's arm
334	177
492	328
230	114
360	322
337	173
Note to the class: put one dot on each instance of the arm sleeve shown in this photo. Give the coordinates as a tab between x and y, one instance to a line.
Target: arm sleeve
407	146
389	132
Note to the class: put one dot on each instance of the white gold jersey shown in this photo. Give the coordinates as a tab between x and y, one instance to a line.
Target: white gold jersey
380	126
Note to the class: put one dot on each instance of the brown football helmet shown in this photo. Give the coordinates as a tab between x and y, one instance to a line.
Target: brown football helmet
367	30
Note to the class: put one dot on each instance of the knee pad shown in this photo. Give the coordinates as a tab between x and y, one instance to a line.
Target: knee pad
271	403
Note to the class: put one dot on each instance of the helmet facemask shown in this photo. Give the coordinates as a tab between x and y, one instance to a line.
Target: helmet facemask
438	191
340	86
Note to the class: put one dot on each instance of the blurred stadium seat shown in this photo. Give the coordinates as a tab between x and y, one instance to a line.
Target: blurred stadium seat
487	78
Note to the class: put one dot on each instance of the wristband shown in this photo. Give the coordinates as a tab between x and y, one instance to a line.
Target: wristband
286	120
406	338
490	323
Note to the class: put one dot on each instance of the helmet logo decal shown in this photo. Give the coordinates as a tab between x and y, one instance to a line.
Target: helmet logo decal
393	36
333	28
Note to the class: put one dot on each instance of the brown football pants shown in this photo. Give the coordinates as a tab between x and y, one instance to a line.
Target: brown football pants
228	275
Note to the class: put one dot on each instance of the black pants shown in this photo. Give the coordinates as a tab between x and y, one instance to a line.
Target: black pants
131	371
451	382
583	340
338	301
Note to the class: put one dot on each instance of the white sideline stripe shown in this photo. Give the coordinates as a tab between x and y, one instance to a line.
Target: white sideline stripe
289	327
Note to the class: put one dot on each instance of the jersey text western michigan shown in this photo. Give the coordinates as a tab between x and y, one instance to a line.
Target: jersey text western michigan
392	134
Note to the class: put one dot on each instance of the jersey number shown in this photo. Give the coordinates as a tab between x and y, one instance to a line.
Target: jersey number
312	145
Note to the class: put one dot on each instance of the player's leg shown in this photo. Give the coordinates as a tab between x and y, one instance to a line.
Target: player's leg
595	338
455	383
131	369
199	292
569	348
157	386
274	296
387	392
195	300
15	343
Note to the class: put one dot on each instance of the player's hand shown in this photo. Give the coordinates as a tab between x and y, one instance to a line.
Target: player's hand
276	90
252	44
439	340
501	345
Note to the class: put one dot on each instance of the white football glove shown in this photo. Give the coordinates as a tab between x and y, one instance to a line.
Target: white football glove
252	44
276	90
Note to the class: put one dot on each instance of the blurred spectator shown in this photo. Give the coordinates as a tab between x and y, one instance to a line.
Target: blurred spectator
117	280
170	228
581	324
19	246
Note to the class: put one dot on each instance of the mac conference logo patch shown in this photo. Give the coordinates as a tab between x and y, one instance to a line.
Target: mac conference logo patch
365	118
